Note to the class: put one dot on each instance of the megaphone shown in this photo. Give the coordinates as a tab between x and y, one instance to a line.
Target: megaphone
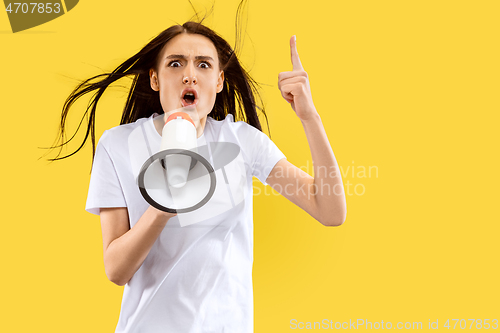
178	178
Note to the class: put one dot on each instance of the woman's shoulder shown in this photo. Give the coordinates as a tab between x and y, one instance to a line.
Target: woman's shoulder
121	132
237	127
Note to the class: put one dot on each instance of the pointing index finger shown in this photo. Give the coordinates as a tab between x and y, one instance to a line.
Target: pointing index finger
297	66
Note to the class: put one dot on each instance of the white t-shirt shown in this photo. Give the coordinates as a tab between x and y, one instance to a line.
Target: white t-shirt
197	277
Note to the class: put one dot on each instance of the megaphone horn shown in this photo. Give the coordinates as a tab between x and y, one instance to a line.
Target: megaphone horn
177	179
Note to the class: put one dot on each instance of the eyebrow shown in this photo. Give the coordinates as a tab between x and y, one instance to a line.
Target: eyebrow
181	56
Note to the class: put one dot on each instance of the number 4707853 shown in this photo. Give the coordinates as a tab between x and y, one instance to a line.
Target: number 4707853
477	323
41	8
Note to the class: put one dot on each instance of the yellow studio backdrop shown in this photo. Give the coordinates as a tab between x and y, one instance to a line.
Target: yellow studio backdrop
408	94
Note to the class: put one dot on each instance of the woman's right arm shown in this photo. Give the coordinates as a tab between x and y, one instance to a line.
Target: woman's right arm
125	248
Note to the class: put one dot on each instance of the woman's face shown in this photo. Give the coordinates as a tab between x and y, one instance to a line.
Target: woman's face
188	74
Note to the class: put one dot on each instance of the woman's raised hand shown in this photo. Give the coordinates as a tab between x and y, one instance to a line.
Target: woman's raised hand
294	86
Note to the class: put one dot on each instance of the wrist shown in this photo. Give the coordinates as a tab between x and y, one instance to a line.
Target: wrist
312	118
160	216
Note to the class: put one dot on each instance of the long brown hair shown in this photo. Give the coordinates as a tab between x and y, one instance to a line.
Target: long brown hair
238	97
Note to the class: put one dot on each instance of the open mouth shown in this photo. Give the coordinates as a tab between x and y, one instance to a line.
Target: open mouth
189	97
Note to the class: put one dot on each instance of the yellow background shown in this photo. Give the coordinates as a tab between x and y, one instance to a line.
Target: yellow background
410	88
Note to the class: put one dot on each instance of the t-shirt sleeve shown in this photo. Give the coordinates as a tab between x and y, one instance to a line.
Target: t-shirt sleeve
265	155
104	189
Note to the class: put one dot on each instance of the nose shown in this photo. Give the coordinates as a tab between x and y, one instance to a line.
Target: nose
189	75
189	79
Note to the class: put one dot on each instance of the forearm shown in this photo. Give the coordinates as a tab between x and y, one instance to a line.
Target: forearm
327	190
125	254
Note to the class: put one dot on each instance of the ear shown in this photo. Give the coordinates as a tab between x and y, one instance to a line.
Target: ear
153	80
220	82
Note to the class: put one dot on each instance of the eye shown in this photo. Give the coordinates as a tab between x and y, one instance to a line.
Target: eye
204	64
174	62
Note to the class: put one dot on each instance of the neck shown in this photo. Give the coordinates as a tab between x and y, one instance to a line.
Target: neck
201	127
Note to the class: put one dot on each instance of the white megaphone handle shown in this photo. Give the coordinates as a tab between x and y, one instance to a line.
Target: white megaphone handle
179	132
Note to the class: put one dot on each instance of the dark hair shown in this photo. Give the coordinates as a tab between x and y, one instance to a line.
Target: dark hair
238	96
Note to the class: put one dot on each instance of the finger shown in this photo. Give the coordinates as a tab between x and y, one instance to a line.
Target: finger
288	97
295	55
288	91
287	75
295	79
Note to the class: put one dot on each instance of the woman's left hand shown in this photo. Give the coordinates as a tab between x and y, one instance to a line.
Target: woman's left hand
294	86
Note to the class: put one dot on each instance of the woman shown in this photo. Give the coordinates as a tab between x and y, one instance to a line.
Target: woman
196	278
